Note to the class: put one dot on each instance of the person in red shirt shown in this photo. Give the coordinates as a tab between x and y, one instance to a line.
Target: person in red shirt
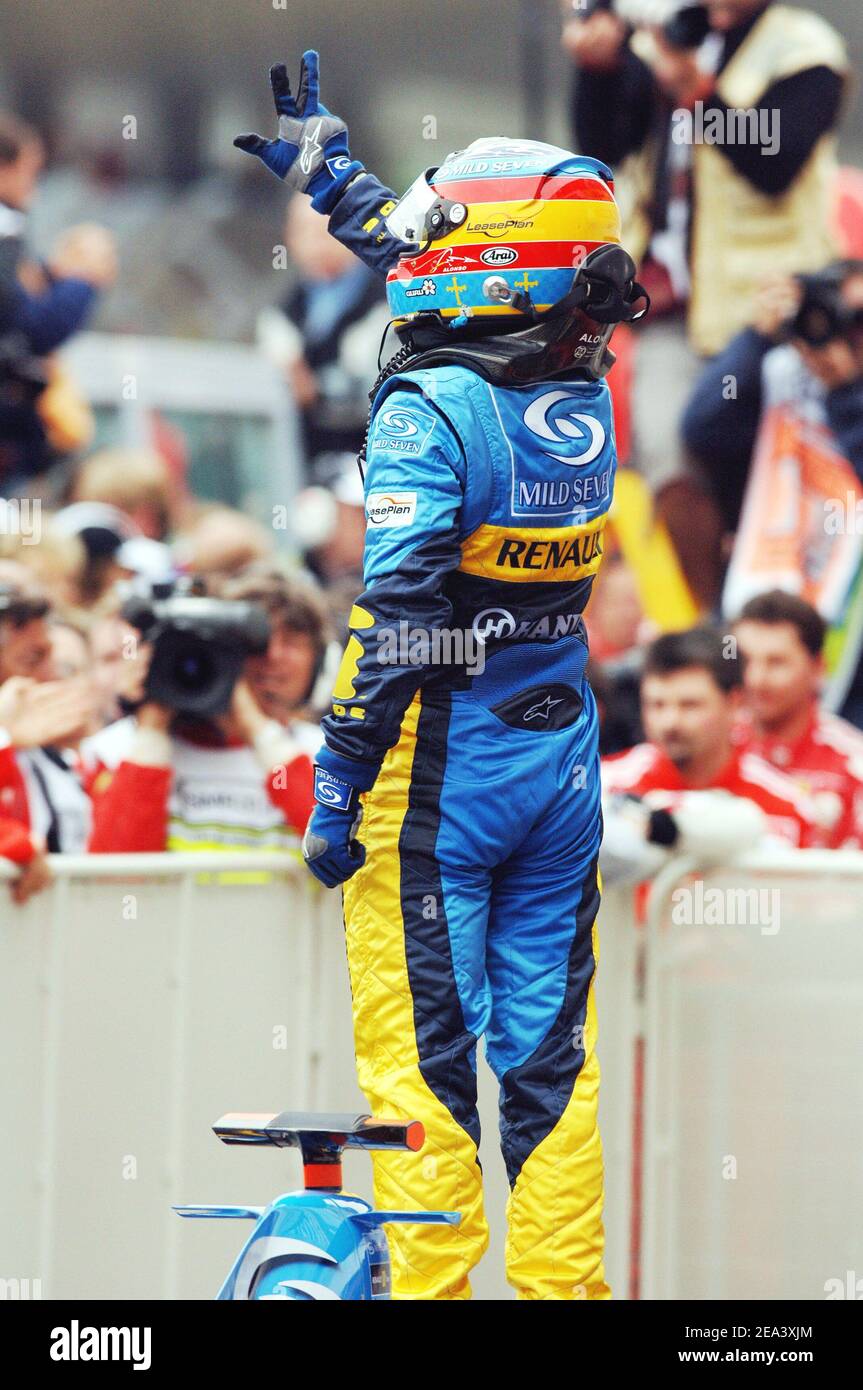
690	699
43	805
780	638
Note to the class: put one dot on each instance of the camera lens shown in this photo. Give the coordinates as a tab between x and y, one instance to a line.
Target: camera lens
816	325
193	670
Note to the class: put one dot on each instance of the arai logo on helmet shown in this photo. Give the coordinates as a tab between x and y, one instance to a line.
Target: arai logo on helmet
565	426
499	255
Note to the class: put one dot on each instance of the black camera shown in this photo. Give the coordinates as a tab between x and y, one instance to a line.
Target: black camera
200	645
822	315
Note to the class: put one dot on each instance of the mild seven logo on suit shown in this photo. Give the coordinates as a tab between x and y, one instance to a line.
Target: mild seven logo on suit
583	435
401	431
564	467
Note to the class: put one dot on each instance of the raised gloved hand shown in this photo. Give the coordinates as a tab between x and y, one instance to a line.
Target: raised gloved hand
311	151
330	847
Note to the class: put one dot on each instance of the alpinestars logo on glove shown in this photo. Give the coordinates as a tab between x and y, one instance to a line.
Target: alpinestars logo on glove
311	148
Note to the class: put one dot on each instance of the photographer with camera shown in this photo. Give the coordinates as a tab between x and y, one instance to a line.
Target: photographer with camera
719	119
777	420
714	203
43	804
41	306
803	356
216	756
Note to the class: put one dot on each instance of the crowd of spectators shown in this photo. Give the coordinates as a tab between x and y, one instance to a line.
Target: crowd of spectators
89	761
744	399
749	367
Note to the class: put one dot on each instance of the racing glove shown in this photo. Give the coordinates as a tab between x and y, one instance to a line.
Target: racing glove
330	847
311	151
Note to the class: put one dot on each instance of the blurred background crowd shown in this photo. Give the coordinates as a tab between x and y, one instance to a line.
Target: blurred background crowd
184	373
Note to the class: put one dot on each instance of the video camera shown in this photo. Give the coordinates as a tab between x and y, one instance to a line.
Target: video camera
822	315
200	644
684	25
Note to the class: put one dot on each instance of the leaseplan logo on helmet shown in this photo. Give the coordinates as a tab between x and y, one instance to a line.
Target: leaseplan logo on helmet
584	435
401	431
391	508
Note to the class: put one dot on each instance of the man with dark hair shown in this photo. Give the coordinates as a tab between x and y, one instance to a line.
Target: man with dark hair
690	701
778	606
696	647
780	638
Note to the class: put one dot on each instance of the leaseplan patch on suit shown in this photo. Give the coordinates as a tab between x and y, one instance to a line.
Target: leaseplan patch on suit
391	508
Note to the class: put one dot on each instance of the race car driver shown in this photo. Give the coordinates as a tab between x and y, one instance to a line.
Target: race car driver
462	733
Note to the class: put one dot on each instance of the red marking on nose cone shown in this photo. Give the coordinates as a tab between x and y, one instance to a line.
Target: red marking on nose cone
322	1175
415	1136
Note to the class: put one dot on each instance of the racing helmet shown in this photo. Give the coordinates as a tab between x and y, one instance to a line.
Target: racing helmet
501	233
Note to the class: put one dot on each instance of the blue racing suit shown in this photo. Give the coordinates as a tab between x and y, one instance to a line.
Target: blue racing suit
474	912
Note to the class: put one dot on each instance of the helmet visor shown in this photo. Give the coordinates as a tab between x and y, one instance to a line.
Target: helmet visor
408	218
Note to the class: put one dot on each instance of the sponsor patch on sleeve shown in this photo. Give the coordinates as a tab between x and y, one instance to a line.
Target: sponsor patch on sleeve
391	508
398	430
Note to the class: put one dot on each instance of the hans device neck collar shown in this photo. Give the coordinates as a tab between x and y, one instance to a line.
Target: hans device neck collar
570	339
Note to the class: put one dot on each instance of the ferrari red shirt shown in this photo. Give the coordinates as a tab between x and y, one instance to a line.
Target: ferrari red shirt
646	771
826	764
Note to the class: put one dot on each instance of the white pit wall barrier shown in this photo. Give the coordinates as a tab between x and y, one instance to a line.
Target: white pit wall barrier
142	997
753	1117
